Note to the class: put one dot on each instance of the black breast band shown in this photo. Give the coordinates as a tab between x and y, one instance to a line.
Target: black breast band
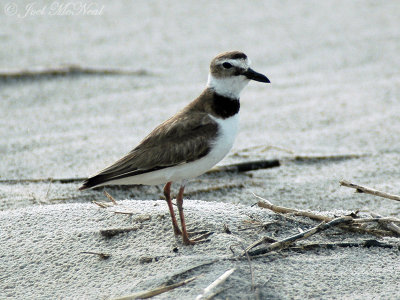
225	107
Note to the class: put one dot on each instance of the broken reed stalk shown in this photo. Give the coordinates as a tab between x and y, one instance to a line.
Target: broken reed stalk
353	227
285	243
335	157
367	190
156	291
102	204
109	233
111	198
100	254
251	271
390	226
123	212
379	220
67	70
188	271
365	243
284	210
220	280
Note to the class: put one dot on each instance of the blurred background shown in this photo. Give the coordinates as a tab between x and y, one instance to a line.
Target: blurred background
335	90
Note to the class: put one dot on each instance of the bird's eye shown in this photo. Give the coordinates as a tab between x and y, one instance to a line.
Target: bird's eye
227	65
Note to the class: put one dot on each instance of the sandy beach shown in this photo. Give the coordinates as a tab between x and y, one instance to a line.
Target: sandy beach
331	113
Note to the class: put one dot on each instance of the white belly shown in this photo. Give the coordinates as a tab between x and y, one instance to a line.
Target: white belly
227	132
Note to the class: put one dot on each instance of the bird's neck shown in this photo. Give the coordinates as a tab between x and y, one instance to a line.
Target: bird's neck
224	107
229	87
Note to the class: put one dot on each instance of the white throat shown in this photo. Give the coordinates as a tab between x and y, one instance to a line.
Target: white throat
227	86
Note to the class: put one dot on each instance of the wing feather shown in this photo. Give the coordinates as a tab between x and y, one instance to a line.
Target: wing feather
181	139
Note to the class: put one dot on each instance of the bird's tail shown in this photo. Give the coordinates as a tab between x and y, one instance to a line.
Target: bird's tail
93	182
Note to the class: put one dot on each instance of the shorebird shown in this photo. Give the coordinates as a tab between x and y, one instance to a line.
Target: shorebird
192	141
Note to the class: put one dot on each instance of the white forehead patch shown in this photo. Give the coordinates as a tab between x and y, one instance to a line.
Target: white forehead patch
240	63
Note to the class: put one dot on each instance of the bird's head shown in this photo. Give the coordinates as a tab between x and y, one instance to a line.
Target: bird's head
230	72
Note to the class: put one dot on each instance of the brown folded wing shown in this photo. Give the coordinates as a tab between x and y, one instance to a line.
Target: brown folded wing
181	139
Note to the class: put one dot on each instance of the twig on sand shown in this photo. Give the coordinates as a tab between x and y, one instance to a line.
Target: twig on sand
67	70
109	233
100	254
249	261
334	157
367	190
285	243
38	180
111	198
102	204
355	226
157	291
188	271
390	226
106	204
263	240
251	271
220	280
123	212
365	243
281	209
379	220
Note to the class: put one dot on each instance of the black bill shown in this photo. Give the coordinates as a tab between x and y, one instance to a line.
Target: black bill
253	75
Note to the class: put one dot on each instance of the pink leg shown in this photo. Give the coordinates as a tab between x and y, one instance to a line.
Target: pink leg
179	203
167	194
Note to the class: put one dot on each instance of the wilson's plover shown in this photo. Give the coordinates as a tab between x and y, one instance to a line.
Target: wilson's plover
192	141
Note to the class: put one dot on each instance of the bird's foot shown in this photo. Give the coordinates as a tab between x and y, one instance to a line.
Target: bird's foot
197	237
199	233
